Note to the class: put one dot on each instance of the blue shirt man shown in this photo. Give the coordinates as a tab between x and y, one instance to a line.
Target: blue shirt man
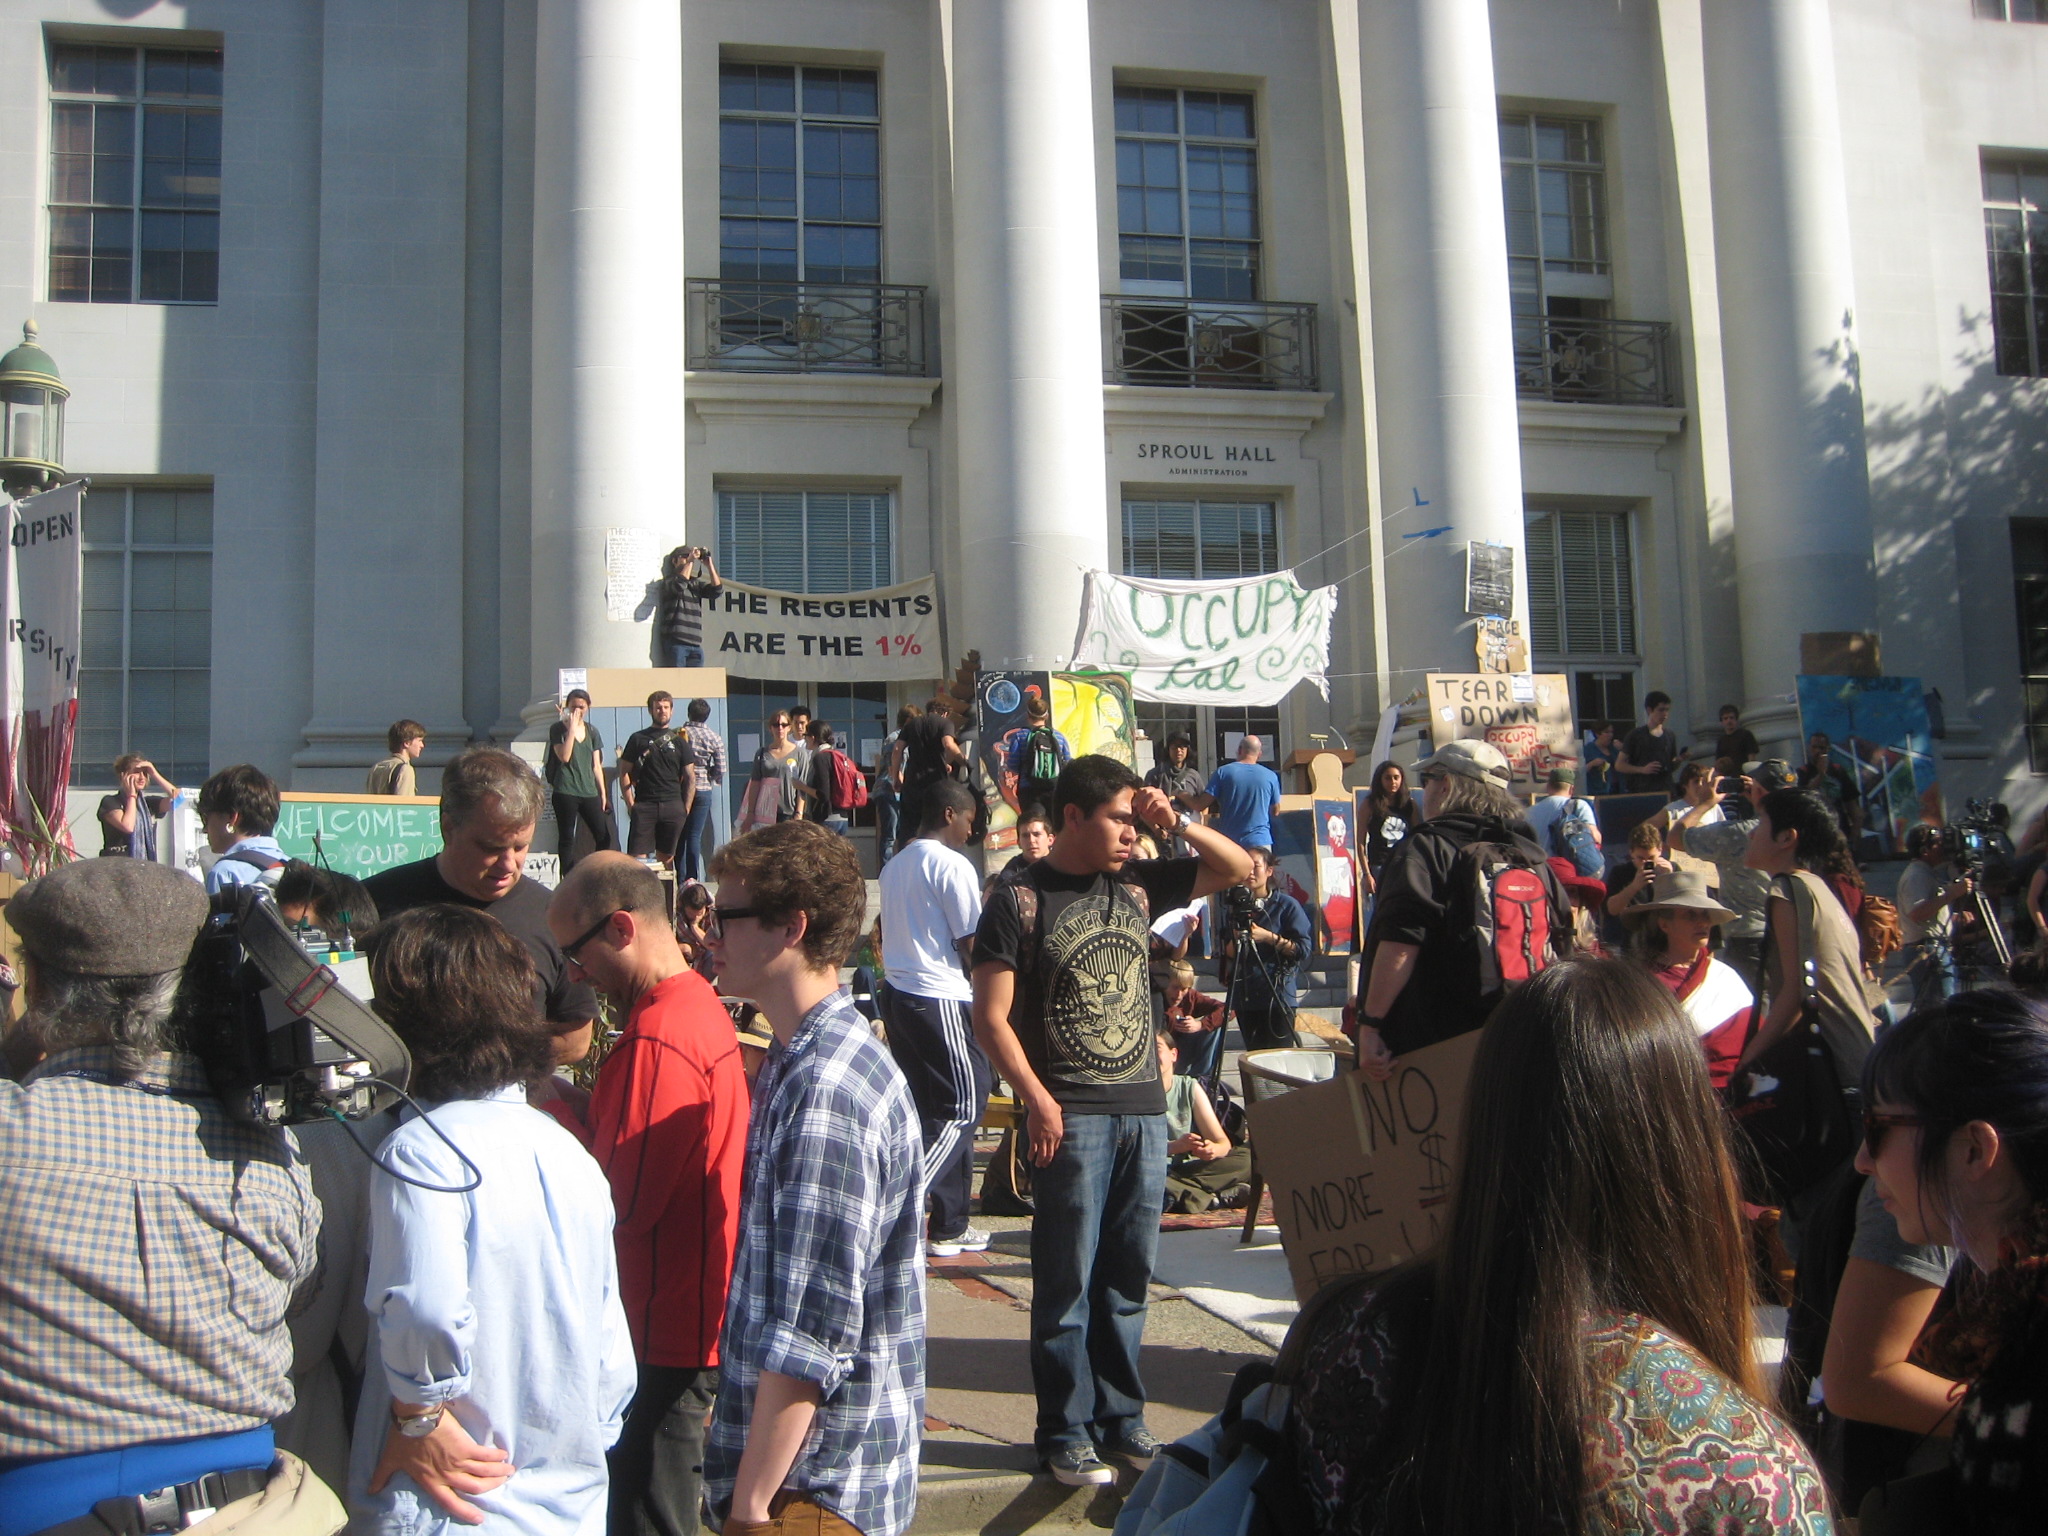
1247	793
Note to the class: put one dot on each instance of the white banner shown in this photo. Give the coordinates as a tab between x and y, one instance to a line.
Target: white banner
41	571
876	636
1203	642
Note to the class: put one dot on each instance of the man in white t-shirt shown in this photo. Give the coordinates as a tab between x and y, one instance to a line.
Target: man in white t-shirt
931	906
1930	891
1551	806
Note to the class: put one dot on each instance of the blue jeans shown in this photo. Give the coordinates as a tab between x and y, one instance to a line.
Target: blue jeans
885	827
1093	1239
690	851
676	654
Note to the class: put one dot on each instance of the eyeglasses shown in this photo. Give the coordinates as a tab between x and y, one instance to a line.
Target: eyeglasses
569	950
1876	1124
1435	774
720	916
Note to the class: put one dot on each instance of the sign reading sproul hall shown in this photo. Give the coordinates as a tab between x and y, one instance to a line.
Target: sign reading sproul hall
1207	460
882	635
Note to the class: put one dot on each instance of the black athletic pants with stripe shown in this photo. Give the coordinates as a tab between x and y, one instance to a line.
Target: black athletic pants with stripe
932	1039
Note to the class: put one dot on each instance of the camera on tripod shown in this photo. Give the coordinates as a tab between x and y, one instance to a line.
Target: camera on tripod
1241	909
287	1038
1977	844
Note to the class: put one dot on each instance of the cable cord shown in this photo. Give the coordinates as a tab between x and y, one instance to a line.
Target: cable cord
476	1173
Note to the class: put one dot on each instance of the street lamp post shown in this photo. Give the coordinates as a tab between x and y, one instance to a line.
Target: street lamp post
31	417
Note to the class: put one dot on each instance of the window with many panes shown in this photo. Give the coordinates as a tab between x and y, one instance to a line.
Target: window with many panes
1187	192
1553	186
134	174
145	672
806	541
1582	607
2030	594
799	173
2016	245
2013	10
1203	541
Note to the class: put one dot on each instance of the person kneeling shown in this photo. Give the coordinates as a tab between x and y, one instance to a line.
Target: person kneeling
1204	1172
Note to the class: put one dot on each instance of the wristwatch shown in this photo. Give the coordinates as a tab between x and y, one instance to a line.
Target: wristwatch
417	1426
1183	821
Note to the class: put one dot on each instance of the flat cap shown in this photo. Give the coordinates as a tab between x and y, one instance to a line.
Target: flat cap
110	917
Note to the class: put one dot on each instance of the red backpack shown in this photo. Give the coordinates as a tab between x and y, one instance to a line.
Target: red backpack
1501	916
849	784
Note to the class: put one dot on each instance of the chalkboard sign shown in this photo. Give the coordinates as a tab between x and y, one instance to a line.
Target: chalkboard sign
1490	579
360	835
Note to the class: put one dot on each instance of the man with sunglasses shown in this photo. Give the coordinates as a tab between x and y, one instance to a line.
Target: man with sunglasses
668	1124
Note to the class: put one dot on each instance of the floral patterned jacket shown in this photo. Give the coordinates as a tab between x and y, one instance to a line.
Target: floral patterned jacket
1679	1451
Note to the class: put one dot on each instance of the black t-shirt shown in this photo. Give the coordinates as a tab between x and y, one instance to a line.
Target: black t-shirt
658	755
1413	905
1738	746
1083	1007
1383	834
524	913
924	748
1642	748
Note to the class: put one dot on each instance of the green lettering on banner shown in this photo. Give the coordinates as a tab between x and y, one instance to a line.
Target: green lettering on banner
1138	596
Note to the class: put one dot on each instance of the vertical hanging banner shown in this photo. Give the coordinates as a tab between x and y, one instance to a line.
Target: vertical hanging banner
41	579
1233	644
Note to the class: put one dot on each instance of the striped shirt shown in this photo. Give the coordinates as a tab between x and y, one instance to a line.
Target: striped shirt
828	1281
152	1247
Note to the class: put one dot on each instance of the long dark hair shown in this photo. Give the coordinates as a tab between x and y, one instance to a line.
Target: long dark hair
1384	802
461	993
1804	812
1977	1056
1594	1176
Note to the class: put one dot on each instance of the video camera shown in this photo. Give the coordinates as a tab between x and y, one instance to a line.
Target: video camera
286	1038
1977	844
1241	909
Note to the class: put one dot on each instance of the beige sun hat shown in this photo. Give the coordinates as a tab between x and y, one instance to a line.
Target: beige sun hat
1679	890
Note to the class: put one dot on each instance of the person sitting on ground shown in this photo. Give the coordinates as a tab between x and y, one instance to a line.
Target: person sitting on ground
1670	936
153	1243
1957	1144
237	809
1194	1019
1204	1172
128	817
1571	1356
693	927
394	775
502	1361
325	899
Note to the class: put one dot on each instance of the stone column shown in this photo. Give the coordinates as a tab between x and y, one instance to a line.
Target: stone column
1024	370
1801	481
608	332
1442	341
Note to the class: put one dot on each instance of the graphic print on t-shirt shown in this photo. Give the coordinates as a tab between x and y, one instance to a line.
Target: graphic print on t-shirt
1098	1001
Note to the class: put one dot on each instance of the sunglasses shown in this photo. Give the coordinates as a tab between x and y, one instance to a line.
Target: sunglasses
1876	1124
720	916
570	949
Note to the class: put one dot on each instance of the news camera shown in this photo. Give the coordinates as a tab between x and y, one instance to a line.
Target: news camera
1977	844
281	1019
1241	909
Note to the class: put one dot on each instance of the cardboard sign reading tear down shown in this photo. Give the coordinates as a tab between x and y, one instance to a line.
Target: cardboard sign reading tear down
1361	1171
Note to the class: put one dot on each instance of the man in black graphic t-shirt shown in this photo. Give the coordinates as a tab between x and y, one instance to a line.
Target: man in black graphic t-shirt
1063	1007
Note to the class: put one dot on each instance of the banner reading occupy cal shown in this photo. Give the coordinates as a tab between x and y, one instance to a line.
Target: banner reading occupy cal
41	572
1233	643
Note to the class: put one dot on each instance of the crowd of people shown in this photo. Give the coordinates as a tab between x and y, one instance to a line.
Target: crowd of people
686	1281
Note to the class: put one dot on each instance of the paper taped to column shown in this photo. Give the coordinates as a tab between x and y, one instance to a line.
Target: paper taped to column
1237	643
41	576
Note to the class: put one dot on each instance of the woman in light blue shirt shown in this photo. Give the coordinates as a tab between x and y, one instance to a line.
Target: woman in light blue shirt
500	1362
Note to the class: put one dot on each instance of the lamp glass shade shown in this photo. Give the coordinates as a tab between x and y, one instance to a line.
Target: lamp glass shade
34	425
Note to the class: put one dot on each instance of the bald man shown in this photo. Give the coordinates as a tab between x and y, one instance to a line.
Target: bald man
669	1127
1247	793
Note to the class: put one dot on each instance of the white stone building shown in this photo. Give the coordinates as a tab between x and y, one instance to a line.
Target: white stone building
378	314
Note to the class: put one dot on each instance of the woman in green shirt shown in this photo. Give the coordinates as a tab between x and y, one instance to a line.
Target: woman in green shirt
574	770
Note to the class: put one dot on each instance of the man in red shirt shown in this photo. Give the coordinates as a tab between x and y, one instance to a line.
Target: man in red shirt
668	1122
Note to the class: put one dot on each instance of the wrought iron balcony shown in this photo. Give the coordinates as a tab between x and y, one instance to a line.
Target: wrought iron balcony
1208	343
1597	362
753	326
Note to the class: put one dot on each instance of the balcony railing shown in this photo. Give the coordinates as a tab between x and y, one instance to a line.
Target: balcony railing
1208	343
1599	362
752	326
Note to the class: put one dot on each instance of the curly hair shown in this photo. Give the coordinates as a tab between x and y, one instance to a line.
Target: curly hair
799	866
462	994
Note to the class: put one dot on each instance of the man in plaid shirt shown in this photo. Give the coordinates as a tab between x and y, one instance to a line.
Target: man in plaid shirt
708	747
821	1399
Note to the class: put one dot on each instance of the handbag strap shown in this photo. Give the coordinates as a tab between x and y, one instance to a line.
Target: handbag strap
1763	965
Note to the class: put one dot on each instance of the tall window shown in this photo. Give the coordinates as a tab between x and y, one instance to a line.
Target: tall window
144	677
1553	186
1582	607
2030	582
1187	192
799	173
806	541
1202	541
2013	10
2016	243
134	175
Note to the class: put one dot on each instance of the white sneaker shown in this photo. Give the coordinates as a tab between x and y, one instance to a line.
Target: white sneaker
968	1240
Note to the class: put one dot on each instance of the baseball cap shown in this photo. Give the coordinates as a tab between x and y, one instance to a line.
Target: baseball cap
1472	759
1771	773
